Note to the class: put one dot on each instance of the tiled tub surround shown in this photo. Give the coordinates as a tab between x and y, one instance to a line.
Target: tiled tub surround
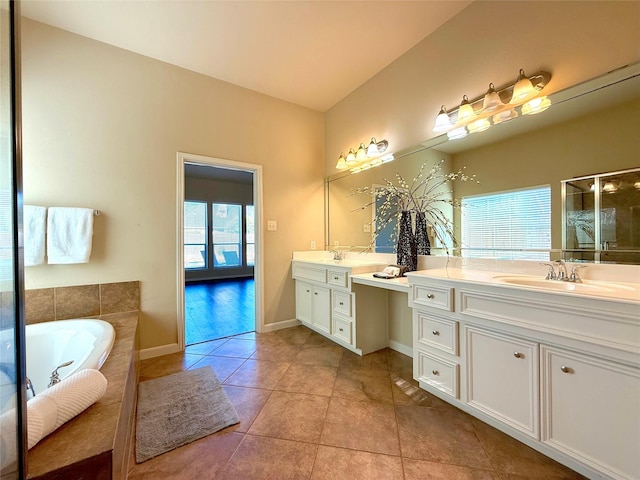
96	443
81	301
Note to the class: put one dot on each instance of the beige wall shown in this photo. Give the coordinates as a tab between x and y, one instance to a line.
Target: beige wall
486	42
102	127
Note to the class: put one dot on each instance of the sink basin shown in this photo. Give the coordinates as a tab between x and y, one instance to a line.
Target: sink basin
587	286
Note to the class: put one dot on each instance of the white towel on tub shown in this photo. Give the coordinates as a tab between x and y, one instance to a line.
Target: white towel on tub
35	222
69	234
50	409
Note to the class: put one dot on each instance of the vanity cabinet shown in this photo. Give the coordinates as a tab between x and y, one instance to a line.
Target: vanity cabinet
502	378
577	387
558	372
355	317
313	305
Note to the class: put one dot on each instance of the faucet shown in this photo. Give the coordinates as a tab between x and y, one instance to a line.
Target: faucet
55	376
551	274
574	277
337	255
562	270
30	388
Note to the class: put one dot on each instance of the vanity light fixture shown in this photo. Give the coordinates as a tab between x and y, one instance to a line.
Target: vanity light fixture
443	123
492	100
609	187
342	163
523	89
479	125
465	112
536	105
363	157
504	116
497	105
636	185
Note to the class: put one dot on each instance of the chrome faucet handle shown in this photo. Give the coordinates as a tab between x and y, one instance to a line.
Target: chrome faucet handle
337	254
574	277
55	376
562	270
551	274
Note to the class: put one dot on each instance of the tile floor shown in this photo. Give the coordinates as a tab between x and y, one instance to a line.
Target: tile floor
218	308
310	409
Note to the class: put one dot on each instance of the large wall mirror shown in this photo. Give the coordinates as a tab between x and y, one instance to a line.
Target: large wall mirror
591	128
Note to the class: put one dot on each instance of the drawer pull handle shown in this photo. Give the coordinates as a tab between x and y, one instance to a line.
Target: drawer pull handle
315	293
436	332
565	369
341	303
431	296
341	329
518	355
435	372
335	278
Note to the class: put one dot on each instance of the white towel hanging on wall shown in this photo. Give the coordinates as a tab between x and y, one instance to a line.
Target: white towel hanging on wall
35	222
69	234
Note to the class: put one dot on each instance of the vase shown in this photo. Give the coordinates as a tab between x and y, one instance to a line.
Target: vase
423	245
406	251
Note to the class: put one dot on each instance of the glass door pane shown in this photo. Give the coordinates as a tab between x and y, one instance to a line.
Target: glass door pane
227	227
250	236
195	235
12	396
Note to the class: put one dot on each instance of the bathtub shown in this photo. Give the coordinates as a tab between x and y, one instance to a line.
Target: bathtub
87	342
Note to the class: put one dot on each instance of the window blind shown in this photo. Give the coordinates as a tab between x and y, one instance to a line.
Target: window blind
506	224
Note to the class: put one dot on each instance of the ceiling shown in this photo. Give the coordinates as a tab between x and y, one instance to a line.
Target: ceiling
311	53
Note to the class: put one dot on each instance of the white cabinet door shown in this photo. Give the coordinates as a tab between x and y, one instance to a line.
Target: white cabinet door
304	302
591	411
322	308
502	378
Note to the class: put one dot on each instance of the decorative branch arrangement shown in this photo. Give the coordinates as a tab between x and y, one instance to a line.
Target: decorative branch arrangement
427	194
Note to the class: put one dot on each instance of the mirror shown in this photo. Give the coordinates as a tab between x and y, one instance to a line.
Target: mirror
590	128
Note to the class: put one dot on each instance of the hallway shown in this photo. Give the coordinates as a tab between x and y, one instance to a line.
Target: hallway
218	308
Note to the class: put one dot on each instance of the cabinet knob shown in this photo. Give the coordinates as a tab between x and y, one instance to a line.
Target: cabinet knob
307	291
435	372
431	296
341	329
436	332
341	303
335	278
518	355
315	293
565	369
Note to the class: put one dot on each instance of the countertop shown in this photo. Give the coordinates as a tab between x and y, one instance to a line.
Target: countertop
617	291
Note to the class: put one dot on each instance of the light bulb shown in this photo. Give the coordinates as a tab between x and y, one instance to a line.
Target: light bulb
362	153
342	163
351	156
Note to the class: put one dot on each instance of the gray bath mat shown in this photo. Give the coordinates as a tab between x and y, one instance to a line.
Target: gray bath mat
178	409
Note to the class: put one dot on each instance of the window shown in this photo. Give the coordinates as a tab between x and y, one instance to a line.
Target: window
195	235
503	225
250	236
227	236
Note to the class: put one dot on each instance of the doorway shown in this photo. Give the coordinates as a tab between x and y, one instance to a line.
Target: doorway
219	248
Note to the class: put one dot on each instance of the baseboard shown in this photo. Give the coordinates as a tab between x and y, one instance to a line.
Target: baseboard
159	351
399	347
272	327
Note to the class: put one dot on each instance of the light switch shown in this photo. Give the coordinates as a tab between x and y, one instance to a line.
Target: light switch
272	225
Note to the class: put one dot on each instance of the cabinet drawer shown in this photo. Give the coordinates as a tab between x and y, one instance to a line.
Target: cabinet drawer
437	297
338	278
308	272
342	303
343	329
437	372
437	332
